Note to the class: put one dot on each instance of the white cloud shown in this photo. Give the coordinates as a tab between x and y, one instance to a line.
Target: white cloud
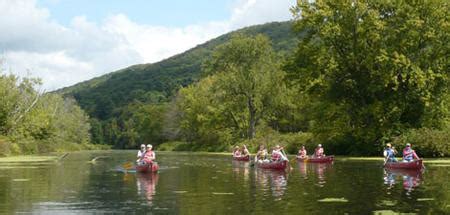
34	44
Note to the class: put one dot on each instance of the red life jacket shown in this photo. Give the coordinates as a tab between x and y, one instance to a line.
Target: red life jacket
237	153
276	156
149	156
319	152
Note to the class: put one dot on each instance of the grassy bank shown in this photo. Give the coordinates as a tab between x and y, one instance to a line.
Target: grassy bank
10	147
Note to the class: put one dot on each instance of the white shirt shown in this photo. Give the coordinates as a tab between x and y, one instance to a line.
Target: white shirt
140	154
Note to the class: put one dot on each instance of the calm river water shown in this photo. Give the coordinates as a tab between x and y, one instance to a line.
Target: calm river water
193	183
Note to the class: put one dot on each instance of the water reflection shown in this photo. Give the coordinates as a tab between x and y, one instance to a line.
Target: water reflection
241	168
273	180
319	169
146	185
411	179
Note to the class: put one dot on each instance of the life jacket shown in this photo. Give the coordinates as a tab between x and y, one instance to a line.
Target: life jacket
149	156
408	154
276	156
302	153
261	155
318	152
237	153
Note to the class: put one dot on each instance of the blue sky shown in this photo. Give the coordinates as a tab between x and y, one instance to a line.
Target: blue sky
174	13
64	42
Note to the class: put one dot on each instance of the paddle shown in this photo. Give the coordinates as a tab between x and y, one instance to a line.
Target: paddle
128	165
285	155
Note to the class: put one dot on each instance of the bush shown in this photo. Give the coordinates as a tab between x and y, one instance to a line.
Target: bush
426	142
270	138
171	146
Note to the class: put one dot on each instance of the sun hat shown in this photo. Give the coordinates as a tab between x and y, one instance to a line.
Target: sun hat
408	144
149	146
388	145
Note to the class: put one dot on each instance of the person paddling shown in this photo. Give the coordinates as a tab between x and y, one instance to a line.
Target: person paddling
389	154
245	151
302	153
140	154
277	155
236	152
318	152
409	154
261	155
150	155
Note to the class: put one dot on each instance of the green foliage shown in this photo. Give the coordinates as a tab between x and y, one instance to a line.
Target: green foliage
270	138
106	98
33	122
427	142
248	80
202	119
372	68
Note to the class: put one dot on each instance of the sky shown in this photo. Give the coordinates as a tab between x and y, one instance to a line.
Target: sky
64	42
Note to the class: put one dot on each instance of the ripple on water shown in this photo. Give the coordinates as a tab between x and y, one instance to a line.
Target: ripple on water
340	200
21	179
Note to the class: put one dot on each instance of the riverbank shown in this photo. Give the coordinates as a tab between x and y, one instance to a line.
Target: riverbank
10	148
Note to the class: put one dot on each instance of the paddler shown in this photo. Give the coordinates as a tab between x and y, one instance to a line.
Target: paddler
245	151
302	153
318	152
236	152
261	155
277	155
389	153
149	156
141	153
409	154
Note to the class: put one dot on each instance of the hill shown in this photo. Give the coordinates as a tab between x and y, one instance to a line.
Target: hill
156	82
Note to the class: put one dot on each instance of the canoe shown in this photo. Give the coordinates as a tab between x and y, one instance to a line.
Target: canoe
326	159
273	165
417	164
146	168
245	158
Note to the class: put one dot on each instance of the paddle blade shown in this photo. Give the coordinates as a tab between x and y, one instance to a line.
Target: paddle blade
128	165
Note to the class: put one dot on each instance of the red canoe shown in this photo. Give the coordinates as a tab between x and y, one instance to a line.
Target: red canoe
244	158
273	165
326	159
147	168
417	164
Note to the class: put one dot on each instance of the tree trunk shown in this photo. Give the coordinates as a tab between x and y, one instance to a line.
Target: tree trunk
252	119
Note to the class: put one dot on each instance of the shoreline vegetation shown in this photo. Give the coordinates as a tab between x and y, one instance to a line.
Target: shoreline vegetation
350	76
35	122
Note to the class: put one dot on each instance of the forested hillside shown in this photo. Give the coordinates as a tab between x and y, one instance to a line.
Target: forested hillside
111	100
158	81
351	75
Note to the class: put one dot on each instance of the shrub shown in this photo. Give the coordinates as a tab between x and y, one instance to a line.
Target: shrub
427	142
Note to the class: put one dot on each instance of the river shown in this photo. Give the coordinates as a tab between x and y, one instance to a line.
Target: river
201	183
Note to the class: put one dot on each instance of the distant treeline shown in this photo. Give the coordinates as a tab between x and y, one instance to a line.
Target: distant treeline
351	75
35	122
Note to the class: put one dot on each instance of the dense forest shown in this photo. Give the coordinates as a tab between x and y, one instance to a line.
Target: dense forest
32	121
351	75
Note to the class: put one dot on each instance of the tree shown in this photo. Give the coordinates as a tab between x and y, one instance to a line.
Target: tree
374	68
249	80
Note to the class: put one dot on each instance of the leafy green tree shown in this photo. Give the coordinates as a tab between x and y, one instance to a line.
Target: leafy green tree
248	79
373	68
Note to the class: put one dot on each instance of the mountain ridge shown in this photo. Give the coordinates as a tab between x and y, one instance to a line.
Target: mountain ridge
161	80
